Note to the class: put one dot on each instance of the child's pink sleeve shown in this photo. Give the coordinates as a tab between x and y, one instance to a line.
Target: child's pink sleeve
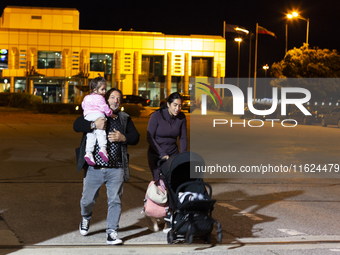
105	108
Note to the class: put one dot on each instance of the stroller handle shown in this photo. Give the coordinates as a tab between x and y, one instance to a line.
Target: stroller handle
194	182
161	161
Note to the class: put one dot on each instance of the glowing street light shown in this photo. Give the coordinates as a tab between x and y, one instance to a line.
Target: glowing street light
242	30
238	40
296	15
265	68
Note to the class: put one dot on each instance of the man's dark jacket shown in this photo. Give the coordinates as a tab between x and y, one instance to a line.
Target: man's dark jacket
129	131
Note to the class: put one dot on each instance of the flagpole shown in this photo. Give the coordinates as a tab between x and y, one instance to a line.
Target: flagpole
225	65
255	72
224	29
250	36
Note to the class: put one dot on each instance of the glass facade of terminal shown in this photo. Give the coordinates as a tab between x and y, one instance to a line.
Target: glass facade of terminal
49	59
60	60
101	63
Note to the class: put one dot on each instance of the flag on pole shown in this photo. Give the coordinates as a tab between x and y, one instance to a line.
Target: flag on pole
262	30
235	29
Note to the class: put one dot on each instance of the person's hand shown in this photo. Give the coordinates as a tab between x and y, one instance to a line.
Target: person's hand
166	157
116	136
100	123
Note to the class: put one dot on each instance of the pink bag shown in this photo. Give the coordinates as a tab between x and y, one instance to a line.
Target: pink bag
151	208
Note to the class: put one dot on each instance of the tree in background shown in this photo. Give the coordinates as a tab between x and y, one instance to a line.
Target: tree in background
310	63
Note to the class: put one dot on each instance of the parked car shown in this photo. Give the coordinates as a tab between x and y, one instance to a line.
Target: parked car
188	104
248	114
331	118
300	117
133	99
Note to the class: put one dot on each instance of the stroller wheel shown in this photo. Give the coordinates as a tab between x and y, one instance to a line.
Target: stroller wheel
170	237
207	238
219	237
219	232
188	238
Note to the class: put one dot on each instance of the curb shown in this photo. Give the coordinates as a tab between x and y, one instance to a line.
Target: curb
226	242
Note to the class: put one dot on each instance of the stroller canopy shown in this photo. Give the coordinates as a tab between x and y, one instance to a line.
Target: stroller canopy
176	169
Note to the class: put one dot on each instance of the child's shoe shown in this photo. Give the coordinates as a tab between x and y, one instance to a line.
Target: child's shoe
103	154
89	159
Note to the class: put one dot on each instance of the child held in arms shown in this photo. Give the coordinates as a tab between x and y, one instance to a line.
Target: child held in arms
95	106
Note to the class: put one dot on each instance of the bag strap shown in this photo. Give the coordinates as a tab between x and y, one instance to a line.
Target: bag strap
160	183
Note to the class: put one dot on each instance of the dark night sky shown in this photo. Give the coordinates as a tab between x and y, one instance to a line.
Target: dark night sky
206	18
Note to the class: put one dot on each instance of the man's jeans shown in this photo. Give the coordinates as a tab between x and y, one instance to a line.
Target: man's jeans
95	178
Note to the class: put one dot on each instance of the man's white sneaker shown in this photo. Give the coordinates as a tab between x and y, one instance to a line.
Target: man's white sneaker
84	226
111	238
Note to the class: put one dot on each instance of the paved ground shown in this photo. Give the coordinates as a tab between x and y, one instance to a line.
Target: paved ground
58	187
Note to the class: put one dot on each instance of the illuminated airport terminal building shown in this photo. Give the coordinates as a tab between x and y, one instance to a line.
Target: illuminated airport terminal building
44	48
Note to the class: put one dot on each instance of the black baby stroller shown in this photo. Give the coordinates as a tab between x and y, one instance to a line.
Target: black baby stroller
188	217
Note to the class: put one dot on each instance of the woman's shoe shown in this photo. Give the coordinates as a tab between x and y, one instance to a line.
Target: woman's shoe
167	224
152	223
166	229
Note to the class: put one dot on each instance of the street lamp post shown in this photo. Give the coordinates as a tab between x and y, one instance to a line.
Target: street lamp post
265	68
307	31
249	65
238	40
286	38
296	15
